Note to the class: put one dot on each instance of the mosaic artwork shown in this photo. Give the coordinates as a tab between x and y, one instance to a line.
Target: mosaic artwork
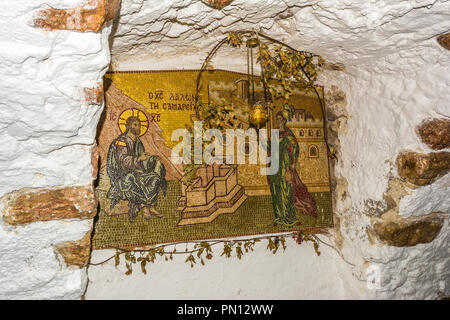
143	198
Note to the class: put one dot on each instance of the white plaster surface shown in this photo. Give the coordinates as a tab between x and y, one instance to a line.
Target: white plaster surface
396	75
46	133
30	267
432	198
293	274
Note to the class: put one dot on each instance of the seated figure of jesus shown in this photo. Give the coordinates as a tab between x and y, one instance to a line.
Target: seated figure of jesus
135	175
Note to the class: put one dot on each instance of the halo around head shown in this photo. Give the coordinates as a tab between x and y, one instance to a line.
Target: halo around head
136	113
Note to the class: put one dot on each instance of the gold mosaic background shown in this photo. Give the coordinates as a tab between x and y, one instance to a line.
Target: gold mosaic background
166	97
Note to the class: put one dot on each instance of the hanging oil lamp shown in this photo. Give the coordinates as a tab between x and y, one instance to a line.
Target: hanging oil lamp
258	114
258	110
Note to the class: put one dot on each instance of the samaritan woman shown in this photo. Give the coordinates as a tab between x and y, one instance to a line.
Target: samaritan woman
288	191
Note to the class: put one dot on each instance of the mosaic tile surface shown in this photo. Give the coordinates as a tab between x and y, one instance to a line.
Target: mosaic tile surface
142	199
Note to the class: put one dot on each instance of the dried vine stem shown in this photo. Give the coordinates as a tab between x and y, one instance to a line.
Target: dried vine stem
289	67
335	249
307	76
235	39
203	249
286	66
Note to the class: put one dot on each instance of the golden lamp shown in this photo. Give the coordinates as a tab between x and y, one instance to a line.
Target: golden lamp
258	115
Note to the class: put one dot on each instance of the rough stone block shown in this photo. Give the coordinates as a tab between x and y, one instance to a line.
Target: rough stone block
422	169
444	40
87	17
30	205
94	96
75	253
435	133
218	4
407	233
334	66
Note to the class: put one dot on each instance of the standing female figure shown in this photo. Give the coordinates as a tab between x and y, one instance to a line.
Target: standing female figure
288	191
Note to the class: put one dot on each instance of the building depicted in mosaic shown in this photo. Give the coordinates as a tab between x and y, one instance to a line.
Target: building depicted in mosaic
306	124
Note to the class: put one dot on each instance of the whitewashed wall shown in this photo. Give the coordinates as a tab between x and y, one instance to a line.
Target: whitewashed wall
47	131
396	75
296	273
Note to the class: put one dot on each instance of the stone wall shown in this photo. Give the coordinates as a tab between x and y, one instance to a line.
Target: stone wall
53	55
386	76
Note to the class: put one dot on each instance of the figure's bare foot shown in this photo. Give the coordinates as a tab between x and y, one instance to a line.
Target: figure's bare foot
147	213
153	211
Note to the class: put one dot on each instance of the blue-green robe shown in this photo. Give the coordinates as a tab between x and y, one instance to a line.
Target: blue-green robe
289	195
137	182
